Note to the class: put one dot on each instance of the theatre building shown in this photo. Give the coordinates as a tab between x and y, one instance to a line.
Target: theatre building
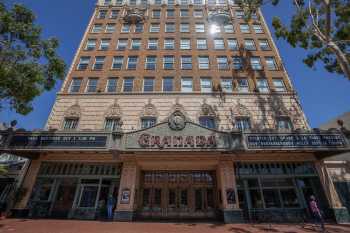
180	109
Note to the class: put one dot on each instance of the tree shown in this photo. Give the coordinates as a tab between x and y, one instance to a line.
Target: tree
319	26
29	65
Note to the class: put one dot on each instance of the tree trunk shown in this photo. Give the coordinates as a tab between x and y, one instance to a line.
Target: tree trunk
341	57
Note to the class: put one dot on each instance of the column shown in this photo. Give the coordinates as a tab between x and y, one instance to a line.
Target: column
25	191
127	198
228	191
341	214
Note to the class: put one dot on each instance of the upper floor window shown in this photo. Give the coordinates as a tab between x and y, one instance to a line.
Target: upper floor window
171	2
75	85
92	85
222	63
99	61
114	14
284	123
237	63
135	44
206	85
132	2
107	2
198	13
239	14
255	63
122	44
262	85
215	29
151	63
207	121
232	44
186	62
271	63
104	45
153	44
70	123
97	28
119	2
168	84
112	85
139	27
219	44
202	44
243	85
244	28
110	28
199	27
242	123
168	62
158	2
279	85
117	62
132	62
170	27
226	84
170	13
102	14
112	124
125	28
184	27
185	44
203	62
264	44
148	122
249	44
186	84
156	14
184	2
83	63
154	27
229	28
148	84
258	28
197	2
128	84
90	44
184	13
169	43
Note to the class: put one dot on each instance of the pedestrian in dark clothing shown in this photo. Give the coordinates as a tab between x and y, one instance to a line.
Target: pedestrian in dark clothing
110	206
316	212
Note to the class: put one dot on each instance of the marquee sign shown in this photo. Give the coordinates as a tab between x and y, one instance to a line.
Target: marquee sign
273	141
56	141
154	141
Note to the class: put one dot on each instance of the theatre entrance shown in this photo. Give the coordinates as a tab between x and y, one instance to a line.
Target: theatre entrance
178	195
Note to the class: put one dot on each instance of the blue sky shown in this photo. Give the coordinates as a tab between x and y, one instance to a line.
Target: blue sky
323	95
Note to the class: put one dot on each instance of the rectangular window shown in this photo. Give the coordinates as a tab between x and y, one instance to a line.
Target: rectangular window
132	2
148	84
186	84
75	85
169	27
228	28
70	123
110	28
184	27
219	44
243	85
158	2
255	63
168	84
185	44
244	28
135	44
125	28
237	63
156	14
122	44
112	124
199	27
206	86
232	44
128	84
107	2
184	13
249	44
102	14
92	85
198	13
203	62
239	14
139	27
170	13
154	27
104	44
279	85
226	85
242	123
132	62
119	2
147	122
112	85
264	45
168	62
215	29
117	62
153	44
186	62
271	63
184	2
114	14
151	63
202	44
171	2
284	123
90	44
197	2
262	85
97	28
258	28
83	63
222	63
169	44
99	61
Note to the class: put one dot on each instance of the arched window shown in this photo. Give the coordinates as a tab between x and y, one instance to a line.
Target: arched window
147	122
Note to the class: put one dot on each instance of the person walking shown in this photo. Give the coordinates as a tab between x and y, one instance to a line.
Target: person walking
110	206
316	212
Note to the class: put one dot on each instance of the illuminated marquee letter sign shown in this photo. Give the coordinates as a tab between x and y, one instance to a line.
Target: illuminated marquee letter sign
155	141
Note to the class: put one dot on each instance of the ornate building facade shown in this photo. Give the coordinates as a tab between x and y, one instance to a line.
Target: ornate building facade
179	109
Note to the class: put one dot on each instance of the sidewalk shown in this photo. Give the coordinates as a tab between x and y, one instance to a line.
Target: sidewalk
72	226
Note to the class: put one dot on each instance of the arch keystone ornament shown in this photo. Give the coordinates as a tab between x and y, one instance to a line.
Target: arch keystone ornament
177	121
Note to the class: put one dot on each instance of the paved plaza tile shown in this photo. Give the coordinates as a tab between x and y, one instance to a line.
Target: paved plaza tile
71	226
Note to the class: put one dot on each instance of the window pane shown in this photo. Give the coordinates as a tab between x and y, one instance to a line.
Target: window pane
186	85
88	196
128	85
206	85
167	84
226	85
271	198
148	85
112	85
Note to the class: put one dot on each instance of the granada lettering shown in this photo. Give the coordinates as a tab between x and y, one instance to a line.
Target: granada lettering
151	141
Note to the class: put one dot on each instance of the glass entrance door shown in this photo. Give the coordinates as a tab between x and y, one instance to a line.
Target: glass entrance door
64	199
